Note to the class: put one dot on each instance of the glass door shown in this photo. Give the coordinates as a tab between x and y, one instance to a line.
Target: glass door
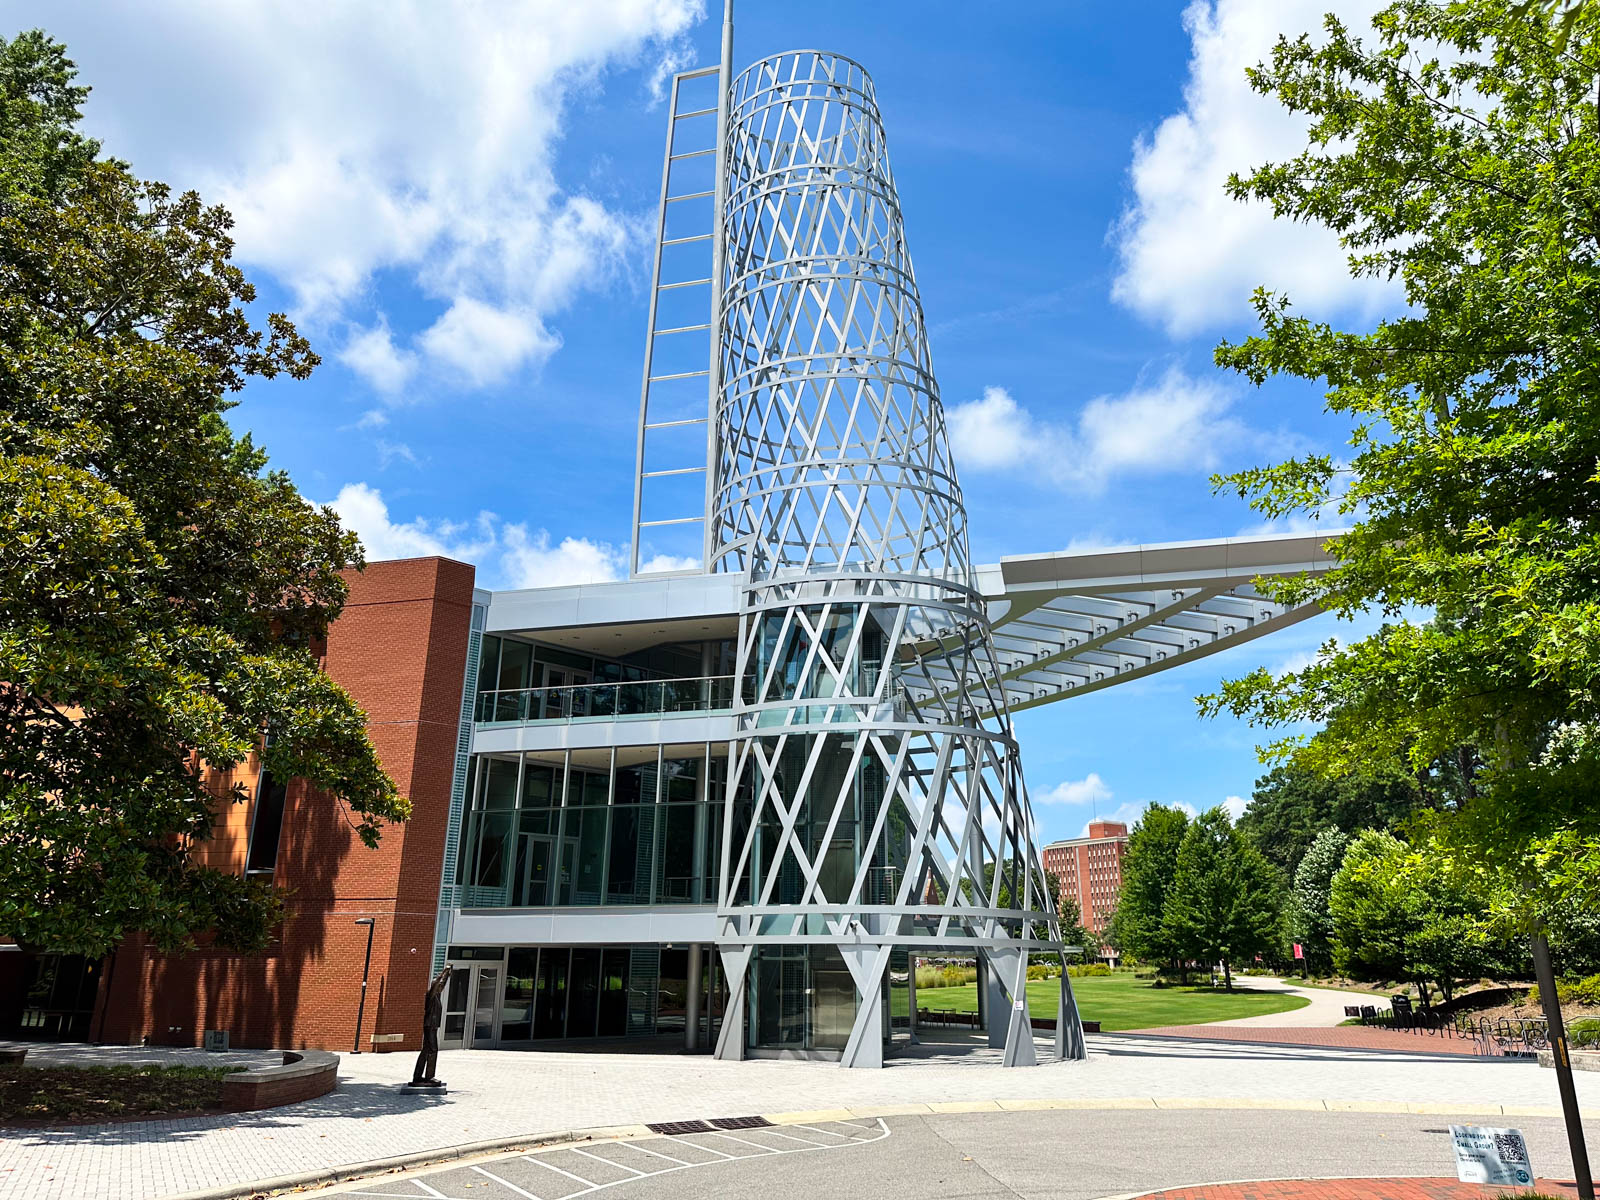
486	1007
471	1007
453	1033
531	879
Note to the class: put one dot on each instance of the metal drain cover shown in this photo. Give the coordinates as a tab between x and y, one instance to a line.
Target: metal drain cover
741	1122
674	1128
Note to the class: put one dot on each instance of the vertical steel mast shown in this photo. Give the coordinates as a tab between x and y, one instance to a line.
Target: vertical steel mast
873	812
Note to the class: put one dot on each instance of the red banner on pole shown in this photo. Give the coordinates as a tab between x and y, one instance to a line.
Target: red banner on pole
1299	950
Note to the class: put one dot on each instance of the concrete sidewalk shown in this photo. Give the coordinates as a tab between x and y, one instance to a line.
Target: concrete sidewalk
1324	1008
501	1094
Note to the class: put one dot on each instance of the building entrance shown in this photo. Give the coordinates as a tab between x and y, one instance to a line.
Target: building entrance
472	1006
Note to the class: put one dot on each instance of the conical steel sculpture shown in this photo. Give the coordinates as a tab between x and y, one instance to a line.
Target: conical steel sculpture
874	813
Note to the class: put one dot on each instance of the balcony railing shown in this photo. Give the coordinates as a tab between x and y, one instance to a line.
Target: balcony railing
607	701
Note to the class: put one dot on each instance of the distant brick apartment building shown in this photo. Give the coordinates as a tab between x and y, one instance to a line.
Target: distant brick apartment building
400	649
1090	870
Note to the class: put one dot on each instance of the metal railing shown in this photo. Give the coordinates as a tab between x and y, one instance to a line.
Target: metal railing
606	701
1513	1037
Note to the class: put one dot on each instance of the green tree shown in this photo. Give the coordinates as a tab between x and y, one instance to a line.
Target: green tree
1073	931
1226	900
1148	868
1454	152
1291	805
1400	912
161	594
1310	919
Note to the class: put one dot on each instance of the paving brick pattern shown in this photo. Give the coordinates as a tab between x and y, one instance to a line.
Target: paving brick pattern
499	1094
1350	1189
1342	1037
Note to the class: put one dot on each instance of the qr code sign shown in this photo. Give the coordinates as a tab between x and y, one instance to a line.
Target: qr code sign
1510	1147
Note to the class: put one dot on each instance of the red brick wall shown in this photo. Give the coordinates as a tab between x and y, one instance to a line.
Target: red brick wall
400	649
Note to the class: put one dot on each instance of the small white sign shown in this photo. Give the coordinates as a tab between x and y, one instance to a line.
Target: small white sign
1493	1156
1018	1005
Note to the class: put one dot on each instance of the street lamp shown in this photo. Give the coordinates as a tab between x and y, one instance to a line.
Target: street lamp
361	1009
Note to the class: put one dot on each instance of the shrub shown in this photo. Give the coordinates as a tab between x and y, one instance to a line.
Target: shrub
1044	971
1082	969
1585	991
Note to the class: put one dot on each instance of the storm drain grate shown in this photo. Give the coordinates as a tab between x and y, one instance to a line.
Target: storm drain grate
741	1122
674	1128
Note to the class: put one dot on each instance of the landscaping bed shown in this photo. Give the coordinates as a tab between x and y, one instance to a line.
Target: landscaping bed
80	1095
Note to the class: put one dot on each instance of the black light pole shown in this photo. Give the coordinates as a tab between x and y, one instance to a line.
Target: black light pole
1546	976
361	1009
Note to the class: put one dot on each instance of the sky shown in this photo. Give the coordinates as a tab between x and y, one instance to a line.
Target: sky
455	202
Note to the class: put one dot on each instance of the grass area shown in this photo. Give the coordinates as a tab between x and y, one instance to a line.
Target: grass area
1120	1001
33	1095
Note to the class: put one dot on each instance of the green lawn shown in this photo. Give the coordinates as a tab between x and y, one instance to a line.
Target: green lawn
1122	1002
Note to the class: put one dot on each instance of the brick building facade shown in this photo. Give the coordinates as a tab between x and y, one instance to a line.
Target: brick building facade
399	648
1090	870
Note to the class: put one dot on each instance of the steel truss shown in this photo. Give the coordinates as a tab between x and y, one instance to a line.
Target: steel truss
875	798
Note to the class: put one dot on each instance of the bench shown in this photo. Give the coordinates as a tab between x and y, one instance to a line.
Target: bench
12	1052
303	1075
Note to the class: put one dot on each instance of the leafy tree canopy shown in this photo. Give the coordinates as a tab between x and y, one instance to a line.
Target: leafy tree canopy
1453	149
1148	868
160	592
1226	900
1292	805
1310	919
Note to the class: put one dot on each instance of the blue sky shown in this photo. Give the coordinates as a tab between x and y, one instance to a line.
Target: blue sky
454	201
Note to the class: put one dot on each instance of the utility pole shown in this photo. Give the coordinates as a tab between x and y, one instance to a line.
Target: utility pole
1546	976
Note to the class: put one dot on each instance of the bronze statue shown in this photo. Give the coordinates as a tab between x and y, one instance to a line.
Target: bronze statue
432	1016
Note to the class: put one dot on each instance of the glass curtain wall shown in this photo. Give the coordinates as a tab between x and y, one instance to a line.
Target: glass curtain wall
542	834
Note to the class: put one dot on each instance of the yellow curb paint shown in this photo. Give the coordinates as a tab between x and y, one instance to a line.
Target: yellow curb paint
624	1131
892	1110
965	1106
1117	1102
806	1116
1031	1105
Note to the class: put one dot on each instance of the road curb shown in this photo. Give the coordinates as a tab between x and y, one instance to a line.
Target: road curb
445	1154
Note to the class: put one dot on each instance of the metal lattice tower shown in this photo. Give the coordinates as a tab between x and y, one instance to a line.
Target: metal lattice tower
875	796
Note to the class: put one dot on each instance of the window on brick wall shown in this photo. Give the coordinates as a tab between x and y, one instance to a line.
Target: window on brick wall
266	826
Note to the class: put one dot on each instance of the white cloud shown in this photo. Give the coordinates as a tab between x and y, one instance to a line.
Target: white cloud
1190	255
373	418
405	141
485	344
1176	423
362	509
1091	789
392	452
507	555
1235	806
372	354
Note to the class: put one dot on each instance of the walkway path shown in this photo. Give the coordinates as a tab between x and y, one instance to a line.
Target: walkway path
1348	1037
1326	1007
1346	1189
499	1094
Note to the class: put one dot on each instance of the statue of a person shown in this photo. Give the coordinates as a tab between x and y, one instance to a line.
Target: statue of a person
432	1016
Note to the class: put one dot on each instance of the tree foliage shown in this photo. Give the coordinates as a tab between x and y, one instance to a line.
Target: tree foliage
1148	867
1403	912
161	593
1311	919
1453	149
1226	901
1292	805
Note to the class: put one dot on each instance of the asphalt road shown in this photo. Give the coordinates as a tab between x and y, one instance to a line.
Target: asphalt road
1076	1155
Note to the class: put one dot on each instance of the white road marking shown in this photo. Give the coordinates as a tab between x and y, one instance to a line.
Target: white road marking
637	1173
589	1186
506	1183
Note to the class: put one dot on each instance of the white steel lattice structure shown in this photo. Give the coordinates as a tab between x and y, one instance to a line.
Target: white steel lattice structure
790	740
875	799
